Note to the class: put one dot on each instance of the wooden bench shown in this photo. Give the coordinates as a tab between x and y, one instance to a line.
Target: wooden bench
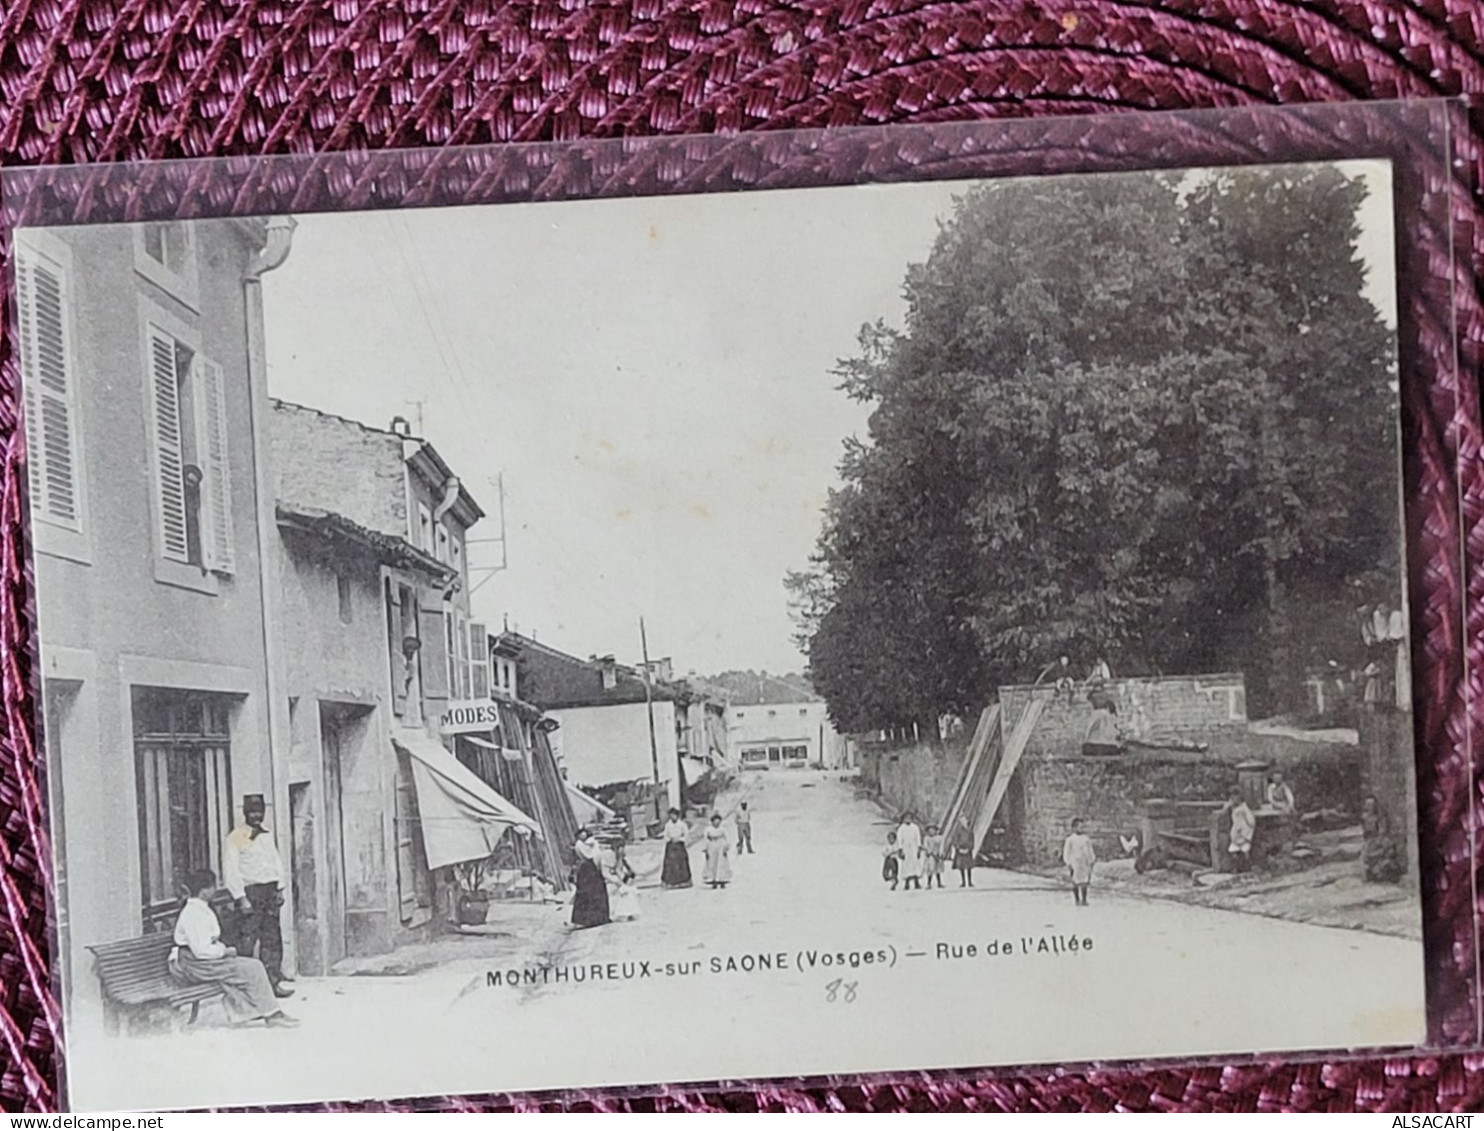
136	979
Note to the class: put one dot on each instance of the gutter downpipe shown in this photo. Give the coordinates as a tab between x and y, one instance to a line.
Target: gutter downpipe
280	734
451	489
450	496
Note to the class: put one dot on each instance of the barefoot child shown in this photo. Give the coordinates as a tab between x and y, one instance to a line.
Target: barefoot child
889	857
1079	856
934	851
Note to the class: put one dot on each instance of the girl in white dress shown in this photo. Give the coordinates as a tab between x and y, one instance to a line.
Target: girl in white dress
718	854
625	898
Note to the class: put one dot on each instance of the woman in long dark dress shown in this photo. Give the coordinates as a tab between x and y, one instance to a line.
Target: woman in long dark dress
676	872
590	901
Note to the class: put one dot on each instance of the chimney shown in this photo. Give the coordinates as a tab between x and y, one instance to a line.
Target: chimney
610	673
666	670
401	427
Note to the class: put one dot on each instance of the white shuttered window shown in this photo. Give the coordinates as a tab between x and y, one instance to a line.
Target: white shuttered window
189	441
479	661
167	440
49	378
216	489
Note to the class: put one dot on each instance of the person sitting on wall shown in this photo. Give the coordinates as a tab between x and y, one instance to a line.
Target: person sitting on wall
1065	684
1102	737
200	957
1280	794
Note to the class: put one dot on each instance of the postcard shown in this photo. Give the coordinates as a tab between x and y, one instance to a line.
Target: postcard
732	635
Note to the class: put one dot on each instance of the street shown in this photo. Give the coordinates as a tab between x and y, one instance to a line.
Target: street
778	983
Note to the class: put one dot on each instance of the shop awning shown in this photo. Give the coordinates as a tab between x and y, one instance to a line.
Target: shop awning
462	817
586	809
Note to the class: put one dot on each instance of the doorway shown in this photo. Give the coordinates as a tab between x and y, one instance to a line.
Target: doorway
301	877
336	724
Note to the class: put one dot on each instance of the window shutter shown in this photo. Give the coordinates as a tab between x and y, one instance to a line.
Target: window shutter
479	661
50	392
433	655
406	825
216	489
448	654
30	382
394	650
461	655
164	424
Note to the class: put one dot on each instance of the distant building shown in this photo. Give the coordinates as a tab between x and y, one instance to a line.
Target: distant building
750	688
705	732
783	735
604	711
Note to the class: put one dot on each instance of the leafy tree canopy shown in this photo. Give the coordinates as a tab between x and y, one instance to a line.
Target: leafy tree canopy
1143	418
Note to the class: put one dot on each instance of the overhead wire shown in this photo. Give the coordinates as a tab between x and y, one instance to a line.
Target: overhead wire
417	291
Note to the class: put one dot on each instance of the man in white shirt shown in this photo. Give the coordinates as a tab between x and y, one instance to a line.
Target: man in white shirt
253	873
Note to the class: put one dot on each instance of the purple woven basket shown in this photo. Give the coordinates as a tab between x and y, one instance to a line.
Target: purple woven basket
109	80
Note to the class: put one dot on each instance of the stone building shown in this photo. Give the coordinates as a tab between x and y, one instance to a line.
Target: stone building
378	651
142	360
603	709
773	736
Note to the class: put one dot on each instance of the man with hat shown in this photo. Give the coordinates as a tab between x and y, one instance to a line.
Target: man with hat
253	873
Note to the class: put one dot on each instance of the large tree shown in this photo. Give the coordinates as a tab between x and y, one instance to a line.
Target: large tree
1146	418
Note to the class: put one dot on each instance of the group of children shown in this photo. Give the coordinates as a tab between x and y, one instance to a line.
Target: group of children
908	858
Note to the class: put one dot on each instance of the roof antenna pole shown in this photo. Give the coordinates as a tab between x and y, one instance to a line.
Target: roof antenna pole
654	747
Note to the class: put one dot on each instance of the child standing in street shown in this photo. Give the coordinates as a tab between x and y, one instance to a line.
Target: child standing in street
1244	827
1079	856
624	903
744	829
933	850
889	857
963	857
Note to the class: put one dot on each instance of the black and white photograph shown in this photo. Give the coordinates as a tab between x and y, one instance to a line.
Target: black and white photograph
810	631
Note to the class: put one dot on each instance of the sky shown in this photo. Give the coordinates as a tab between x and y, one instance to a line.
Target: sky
651	378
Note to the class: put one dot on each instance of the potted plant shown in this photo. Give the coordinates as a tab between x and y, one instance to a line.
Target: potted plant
473	904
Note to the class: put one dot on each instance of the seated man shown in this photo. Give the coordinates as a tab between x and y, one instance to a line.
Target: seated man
199	956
